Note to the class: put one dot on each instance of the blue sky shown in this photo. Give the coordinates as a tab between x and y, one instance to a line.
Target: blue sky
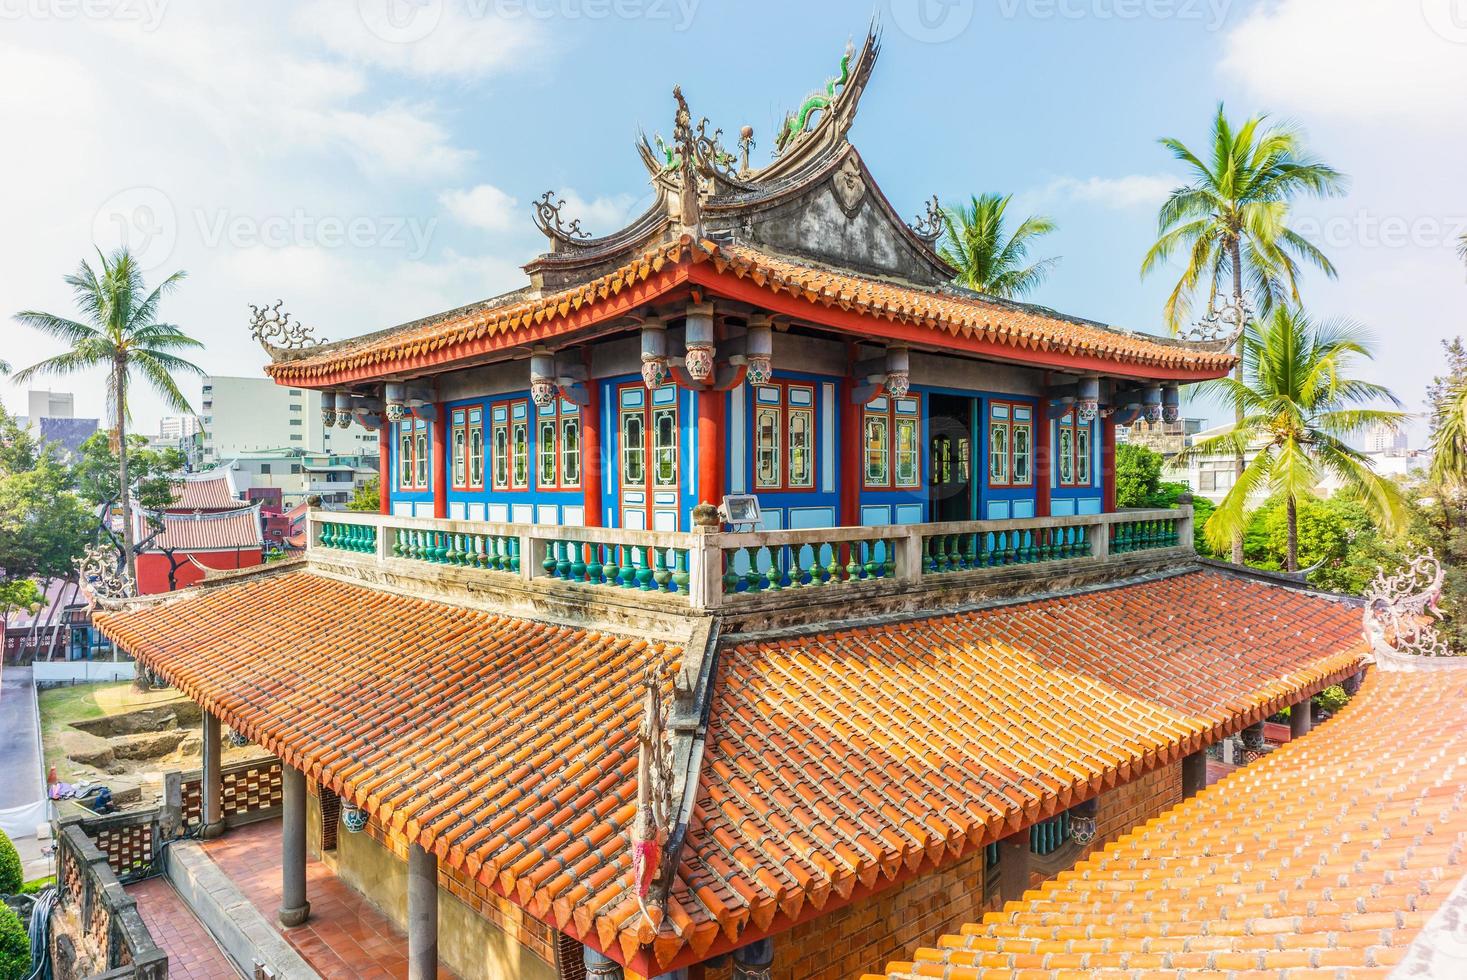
370	161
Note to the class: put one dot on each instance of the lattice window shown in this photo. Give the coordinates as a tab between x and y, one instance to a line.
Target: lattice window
330	816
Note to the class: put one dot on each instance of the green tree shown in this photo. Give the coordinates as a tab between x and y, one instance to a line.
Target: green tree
122	333
1231	222
11	874
1298	399
368	497
987	259
15	946
42	523
150	470
1138	475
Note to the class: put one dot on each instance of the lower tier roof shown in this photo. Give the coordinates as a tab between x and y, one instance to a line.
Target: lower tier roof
837	762
1326	858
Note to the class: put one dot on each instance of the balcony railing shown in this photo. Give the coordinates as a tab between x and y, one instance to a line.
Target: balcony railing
711	570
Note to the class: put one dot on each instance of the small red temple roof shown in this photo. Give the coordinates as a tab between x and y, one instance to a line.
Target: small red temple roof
205	530
1328	855
836	763
213	490
843	300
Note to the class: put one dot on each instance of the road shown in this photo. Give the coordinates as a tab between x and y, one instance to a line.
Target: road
20	750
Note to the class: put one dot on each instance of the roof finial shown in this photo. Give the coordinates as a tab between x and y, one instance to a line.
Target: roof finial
273	329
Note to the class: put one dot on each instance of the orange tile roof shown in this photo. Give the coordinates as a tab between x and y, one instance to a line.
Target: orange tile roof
1023	332
206	531
1330	854
205	492
835	762
507	746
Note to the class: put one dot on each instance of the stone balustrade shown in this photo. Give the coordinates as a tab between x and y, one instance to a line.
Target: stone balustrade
711	570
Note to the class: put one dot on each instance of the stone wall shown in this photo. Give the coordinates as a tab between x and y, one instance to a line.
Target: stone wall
481	936
97	930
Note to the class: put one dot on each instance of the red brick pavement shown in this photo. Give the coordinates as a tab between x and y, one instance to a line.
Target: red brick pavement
192	952
345	936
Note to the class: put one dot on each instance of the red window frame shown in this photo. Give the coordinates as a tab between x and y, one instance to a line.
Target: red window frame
1069	423
786	411
407	464
1013	423
491	451
466	427
891	415
558	418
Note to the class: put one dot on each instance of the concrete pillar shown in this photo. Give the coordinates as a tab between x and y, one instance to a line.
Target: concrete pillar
1194	774
1301	718
422	913
599	966
213	788
754	961
294	909
1013	867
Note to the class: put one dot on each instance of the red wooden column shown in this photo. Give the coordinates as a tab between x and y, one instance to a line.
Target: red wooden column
1108	464
591	462
1041	458
384	468
710	446
439	451
849	464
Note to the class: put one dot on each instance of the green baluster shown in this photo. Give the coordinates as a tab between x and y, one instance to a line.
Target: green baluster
730	576
929	564
660	574
563	559
594	567
814	569
680	577
853	564
578	562
753	579
452	552
888	567
776	568
869	548
832	570
970	546
644	568
548	562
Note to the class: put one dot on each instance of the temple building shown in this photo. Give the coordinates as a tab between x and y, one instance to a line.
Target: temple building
746	600
205	526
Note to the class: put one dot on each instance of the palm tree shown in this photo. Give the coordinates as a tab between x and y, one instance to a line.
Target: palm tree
1232	222
118	330
1300	404
1449	439
987	261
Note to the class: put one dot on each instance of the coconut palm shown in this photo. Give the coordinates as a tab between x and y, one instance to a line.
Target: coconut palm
987	261
1231	222
118	330
1300	404
1449	439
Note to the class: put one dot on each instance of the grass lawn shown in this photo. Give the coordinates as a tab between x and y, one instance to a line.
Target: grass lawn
60	706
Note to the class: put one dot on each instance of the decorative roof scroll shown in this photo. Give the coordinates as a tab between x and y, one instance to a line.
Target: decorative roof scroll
1225	323
1399	608
797	123
101	572
928	227
549	221
275	330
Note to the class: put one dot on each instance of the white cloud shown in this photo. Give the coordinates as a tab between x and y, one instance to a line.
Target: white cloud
1132	191
485	207
1389	59
600	215
425	38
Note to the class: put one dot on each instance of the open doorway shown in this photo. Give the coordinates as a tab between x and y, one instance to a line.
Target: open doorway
950	458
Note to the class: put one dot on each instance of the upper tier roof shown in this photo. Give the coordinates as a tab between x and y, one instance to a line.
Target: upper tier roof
942	318
811	228
836	764
211	490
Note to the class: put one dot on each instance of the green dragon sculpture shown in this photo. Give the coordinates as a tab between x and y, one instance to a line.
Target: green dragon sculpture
796	122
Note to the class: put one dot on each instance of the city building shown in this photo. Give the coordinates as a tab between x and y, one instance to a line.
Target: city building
52	418
299	474
745	599
177	427
1167	438
242	416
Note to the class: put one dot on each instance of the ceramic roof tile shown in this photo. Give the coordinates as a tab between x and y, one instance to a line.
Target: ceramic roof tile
1329	854
947	315
206	531
834	762
211	491
838	760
